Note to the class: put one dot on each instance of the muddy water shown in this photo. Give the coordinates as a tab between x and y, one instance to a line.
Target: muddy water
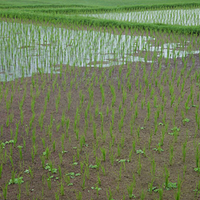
27	49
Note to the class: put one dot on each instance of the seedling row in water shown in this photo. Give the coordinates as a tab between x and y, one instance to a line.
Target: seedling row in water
26	49
126	131
187	17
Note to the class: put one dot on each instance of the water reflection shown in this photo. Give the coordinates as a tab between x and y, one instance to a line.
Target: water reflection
179	17
26	49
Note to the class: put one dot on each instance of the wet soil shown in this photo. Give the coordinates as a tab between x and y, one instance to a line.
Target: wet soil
83	111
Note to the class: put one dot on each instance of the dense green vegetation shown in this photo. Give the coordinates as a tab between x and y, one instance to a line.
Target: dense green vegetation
95	3
72	15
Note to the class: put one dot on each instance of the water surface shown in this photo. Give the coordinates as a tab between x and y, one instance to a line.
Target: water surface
26	49
189	17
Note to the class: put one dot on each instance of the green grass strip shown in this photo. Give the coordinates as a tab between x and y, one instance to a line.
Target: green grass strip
91	9
90	21
42	6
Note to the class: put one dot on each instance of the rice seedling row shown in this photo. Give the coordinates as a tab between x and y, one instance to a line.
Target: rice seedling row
184	17
25	49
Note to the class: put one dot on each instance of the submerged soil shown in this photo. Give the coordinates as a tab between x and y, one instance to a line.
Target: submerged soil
92	103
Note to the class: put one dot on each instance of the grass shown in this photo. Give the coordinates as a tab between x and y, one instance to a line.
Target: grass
92	3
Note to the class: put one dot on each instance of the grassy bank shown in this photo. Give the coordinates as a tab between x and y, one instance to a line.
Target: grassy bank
95	3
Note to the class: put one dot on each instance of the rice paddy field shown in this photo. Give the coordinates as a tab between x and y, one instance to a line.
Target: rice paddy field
100	102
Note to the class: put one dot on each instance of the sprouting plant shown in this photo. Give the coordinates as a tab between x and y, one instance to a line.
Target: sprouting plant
20	151
97	189
133	145
122	160
139	166
178	194
118	150
171	154
122	141
109	194
69	100
46	153
54	145
185	120
139	151
1	169
197	190
103	150
130	191
159	149
18	180
11	160
75	163
184	150
166	177
31	172
49	182
70	184
160	191
5	191
83	182
151	188
148	111
143	194
27	171
79	196
197	156
170	186
62	189
93	166
94	130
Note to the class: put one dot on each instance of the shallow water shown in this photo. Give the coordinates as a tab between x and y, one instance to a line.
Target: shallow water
26	49
179	17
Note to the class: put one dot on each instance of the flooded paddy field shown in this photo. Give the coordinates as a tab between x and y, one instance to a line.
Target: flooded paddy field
90	112
184	17
27	49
